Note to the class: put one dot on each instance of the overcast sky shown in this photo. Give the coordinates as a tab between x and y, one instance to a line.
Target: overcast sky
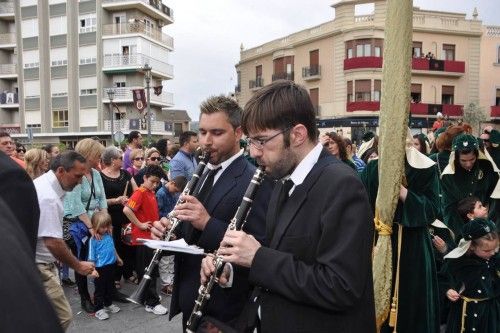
208	34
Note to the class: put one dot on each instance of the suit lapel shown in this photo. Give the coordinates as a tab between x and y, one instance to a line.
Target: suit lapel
296	200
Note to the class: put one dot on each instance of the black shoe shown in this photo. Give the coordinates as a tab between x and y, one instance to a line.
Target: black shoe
87	305
120	297
68	282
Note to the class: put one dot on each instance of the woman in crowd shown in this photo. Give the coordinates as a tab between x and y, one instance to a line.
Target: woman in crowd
20	151
420	142
336	146
79	206
137	159
37	162
118	185
52	150
152	158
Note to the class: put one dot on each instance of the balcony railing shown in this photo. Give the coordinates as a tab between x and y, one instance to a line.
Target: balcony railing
138	28
423	64
415	108
137	60
283	76
140	124
363	106
8	38
495	111
7	7
157	4
125	95
9	98
8	69
257	83
311	72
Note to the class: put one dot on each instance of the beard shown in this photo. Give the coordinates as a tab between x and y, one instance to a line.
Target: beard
282	167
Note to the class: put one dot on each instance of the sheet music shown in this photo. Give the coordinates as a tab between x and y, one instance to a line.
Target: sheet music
178	245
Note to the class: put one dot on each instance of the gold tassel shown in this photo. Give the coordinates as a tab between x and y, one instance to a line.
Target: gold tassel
394	313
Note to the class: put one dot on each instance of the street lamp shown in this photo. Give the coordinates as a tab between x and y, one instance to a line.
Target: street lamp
147	73
111	95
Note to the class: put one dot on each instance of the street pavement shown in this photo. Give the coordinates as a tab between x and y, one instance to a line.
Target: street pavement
131	319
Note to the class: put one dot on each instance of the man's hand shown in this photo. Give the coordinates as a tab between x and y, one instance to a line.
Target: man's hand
160	228
239	248
208	268
85	268
439	244
452	295
192	210
144	226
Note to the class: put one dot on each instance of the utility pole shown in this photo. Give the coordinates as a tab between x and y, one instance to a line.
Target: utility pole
147	73
111	95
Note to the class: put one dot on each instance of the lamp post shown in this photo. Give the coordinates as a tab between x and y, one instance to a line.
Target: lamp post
111	95
147	73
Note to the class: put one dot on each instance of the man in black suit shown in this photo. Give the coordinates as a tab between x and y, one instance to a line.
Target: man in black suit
206	217
315	275
18	192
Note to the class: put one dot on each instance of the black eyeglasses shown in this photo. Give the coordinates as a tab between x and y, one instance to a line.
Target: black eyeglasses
139	159
155	158
259	143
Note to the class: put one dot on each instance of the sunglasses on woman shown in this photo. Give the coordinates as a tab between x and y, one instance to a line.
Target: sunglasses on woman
139	159
155	158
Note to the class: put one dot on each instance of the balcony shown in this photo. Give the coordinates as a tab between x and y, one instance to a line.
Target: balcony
7	9
363	106
256	84
283	76
137	124
419	65
9	100
8	71
362	62
119	63
141	28
495	111
154	8
124	95
311	73
8	40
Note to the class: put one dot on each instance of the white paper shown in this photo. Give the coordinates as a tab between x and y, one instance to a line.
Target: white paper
178	245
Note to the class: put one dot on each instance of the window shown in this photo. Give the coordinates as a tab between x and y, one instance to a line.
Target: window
349	53
34	125
89	60
498	55
349	92
377	90
416	93
447	93
120	84
29	28
84	92
58	25
32	65
417	49
378	51
88	23
448	52
59	62
497	100
60	118
364	47
363	90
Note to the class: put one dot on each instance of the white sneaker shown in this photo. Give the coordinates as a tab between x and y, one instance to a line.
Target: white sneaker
101	314
112	308
157	310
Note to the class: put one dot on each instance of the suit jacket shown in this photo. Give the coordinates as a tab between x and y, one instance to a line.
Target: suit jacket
316	274
18	192
222	203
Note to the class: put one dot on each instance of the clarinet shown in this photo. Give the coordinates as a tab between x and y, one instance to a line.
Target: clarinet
237	223
138	296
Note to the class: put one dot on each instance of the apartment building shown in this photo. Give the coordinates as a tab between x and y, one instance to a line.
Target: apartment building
59	59
340	64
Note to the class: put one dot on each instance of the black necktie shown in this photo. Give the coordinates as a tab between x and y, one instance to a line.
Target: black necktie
284	194
207	185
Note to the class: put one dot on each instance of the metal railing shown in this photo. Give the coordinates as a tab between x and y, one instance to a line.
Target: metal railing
136	60
257	83
7	7
8	69
140	28
9	98
8	38
124	125
311	71
124	94
157	4
283	76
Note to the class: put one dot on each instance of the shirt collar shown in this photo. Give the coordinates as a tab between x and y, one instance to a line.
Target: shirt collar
54	182
305	166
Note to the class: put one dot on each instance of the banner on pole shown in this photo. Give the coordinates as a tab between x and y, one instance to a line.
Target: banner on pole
139	99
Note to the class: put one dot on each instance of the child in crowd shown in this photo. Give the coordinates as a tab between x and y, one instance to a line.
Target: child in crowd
474	267
102	252
167	198
142	211
471	208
